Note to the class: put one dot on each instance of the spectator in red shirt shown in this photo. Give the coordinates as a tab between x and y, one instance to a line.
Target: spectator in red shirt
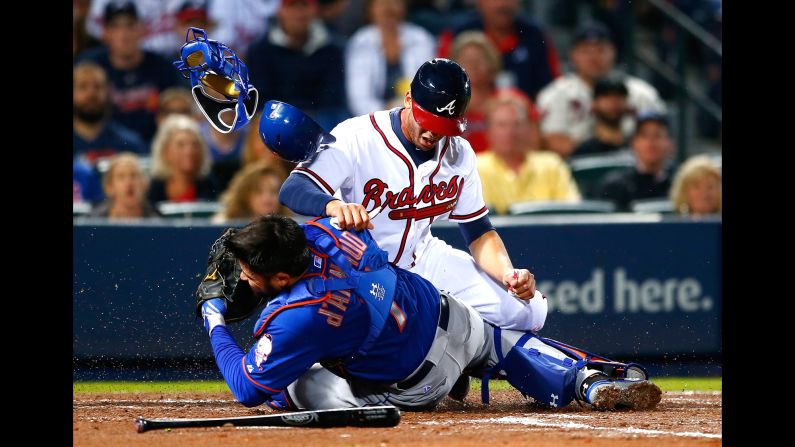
180	163
527	51
482	62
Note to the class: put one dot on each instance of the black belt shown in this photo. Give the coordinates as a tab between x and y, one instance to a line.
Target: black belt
444	318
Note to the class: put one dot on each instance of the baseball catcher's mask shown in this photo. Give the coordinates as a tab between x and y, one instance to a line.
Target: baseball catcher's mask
209	64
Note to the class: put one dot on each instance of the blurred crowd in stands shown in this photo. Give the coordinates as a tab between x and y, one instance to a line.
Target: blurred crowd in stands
555	128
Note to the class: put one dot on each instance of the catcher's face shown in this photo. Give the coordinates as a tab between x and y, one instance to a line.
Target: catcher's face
267	286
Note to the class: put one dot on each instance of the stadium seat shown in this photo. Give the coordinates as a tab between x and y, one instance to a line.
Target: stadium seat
662	206
81	208
188	209
589	170
555	207
716	158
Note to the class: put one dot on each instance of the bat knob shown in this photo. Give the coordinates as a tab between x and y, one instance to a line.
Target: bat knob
141	425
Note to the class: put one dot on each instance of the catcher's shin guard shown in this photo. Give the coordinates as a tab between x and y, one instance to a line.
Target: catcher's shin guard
549	379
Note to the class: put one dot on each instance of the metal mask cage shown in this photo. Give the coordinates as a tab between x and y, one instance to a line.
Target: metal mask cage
211	64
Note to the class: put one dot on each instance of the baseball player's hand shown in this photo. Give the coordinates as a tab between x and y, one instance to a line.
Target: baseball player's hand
349	215
521	283
213	314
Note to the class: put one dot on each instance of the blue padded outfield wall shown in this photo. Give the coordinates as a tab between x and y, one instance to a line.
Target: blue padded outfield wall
643	287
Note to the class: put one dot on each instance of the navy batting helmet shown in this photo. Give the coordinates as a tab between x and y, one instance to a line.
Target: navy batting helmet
440	94
291	133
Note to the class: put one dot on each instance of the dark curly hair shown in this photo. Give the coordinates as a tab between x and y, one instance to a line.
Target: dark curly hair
271	244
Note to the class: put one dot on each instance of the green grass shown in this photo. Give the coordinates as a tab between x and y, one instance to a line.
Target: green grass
689	383
212	386
205	386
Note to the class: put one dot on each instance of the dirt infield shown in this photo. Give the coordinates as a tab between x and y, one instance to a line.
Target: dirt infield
681	419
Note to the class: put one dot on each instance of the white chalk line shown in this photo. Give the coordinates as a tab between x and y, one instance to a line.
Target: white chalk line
573	425
692	392
149	402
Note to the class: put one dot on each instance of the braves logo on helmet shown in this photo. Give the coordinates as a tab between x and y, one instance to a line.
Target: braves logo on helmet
439	86
449	108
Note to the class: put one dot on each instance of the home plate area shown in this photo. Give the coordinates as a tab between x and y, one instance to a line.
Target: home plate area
681	418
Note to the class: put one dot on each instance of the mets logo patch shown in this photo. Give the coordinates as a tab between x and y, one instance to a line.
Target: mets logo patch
263	350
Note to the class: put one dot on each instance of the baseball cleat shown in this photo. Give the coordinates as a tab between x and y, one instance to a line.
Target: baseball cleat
624	394
460	388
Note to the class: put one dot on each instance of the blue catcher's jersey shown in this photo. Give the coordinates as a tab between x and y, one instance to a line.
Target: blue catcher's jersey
299	328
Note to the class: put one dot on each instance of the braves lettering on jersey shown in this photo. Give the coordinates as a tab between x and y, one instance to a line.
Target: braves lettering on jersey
369	165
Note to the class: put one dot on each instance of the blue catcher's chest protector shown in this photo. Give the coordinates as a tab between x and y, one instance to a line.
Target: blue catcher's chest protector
361	267
356	264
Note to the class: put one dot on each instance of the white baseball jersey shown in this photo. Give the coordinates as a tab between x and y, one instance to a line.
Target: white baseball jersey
369	165
565	106
237	22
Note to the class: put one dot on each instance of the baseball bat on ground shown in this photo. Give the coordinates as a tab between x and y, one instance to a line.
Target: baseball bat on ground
383	416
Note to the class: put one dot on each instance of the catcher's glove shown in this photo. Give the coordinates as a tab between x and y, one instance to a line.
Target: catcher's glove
222	280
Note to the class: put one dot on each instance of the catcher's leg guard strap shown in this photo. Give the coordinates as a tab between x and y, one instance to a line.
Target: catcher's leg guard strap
610	367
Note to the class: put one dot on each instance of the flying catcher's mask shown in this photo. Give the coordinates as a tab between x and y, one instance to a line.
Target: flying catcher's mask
209	64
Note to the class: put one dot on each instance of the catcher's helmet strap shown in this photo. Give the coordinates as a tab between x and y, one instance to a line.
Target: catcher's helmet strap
212	108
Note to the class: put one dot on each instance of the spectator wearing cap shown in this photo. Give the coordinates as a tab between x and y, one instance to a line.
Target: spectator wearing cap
159	18
238	23
514	169
697	189
651	176
94	134
480	59
565	104
299	62
382	54
136	76
528	54
190	14
609	108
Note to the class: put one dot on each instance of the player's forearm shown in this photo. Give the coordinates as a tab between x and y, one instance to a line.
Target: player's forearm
491	255
303	197
229	358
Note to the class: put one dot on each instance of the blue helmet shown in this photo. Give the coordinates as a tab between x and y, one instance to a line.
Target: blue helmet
290	133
